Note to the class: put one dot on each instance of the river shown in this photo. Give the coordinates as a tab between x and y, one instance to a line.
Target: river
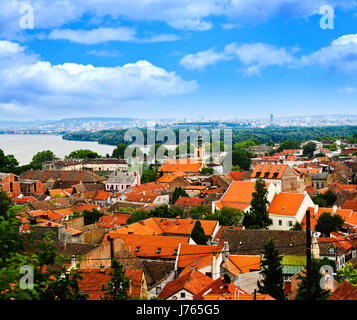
24	146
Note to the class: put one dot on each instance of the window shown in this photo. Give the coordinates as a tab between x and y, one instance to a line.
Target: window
175	252
266	174
158	250
280	222
183	294
158	290
290	223
137	249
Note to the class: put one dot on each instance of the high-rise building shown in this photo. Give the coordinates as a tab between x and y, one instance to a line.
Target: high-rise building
271	119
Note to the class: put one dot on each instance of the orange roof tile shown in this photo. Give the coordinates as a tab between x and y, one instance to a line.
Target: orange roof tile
242	264
218	287
286	204
181	165
189	253
239	194
116	219
241	297
193	282
189	202
164	247
269	171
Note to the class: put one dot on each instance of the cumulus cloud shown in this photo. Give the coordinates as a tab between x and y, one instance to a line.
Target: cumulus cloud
340	55
179	14
101	35
202	59
33	82
254	57
94	36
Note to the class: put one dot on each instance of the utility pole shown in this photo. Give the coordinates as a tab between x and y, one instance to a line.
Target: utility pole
308	256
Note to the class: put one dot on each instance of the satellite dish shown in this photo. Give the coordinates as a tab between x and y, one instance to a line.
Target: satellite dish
317	234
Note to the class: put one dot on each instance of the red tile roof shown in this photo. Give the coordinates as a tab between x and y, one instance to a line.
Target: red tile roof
286	204
193	281
345	291
274	171
114	220
189	202
93	280
218	286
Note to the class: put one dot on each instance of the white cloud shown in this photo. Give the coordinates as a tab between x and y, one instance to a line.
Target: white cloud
32	82
254	57
340	55
94	36
257	56
179	14
104	53
201	59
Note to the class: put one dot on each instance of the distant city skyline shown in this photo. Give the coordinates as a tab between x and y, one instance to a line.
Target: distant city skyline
204	59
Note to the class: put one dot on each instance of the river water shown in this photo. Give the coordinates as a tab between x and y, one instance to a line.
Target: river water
24	146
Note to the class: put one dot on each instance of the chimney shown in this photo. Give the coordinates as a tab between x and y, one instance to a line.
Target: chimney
111	241
316	208
287	287
73	261
178	220
213	268
334	209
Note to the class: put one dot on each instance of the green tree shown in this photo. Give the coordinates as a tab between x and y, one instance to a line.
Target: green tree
198	234
258	217
327	223
40	157
309	149
10	162
288	145
272	272
118	286
199	212
296	227
92	216
317	293
227	216
83	154
206	170
330	197
119	151
149	175
10	241
348	273
241	158
178	192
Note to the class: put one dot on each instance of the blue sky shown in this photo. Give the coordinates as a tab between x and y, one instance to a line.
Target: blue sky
221	59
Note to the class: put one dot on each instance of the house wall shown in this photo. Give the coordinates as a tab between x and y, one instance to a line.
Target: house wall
77	223
153	291
11	184
94	235
177	295
285	222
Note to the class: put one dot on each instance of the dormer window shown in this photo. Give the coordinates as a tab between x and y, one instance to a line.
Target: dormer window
158	250
137	249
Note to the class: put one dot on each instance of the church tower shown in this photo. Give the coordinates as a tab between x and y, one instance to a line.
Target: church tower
199	150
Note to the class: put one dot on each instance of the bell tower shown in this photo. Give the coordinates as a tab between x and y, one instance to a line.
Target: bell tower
199	150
